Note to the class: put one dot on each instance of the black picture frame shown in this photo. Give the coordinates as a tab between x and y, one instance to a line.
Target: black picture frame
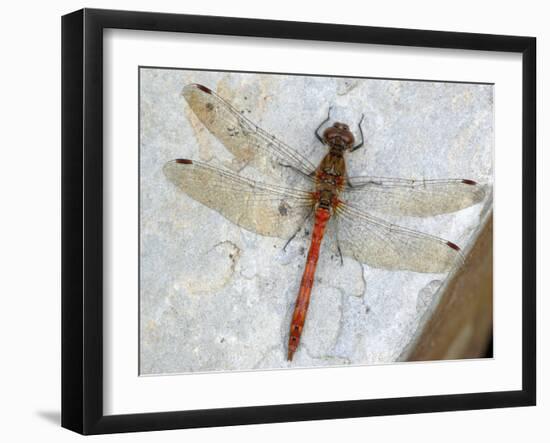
82	220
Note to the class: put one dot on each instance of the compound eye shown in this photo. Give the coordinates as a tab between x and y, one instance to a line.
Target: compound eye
348	138
330	133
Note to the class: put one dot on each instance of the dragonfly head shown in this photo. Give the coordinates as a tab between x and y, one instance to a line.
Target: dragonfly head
339	136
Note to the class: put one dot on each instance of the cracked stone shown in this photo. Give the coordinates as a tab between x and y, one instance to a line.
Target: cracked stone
216	297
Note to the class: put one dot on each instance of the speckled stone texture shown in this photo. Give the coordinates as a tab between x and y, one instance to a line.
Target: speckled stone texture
215	297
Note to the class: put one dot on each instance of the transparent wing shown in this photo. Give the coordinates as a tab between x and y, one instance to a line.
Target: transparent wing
384	245
245	140
416	198
264	209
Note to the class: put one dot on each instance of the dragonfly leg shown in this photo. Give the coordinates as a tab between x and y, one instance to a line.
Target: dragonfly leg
299	171
338	243
357	146
339	252
319	137
298	230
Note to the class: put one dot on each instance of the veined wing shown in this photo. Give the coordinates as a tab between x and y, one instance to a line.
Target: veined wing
384	245
245	140
416	198
268	210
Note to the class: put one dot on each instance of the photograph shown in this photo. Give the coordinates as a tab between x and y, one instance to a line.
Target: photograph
292	221
275	221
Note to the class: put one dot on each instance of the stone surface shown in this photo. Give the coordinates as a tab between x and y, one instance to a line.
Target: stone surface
214	297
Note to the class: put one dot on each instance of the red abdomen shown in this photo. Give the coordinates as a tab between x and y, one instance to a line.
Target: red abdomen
302	302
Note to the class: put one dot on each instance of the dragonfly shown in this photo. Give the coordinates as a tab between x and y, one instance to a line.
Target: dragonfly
327	195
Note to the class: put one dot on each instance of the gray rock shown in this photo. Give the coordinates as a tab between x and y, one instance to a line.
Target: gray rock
214	297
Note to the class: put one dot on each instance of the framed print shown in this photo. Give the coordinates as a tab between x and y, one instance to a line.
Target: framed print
253	234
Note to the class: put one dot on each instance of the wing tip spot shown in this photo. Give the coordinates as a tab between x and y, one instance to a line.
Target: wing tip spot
188	90
453	246
467	181
184	161
202	88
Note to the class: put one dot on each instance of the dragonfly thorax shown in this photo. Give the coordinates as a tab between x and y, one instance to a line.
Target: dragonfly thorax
332	169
